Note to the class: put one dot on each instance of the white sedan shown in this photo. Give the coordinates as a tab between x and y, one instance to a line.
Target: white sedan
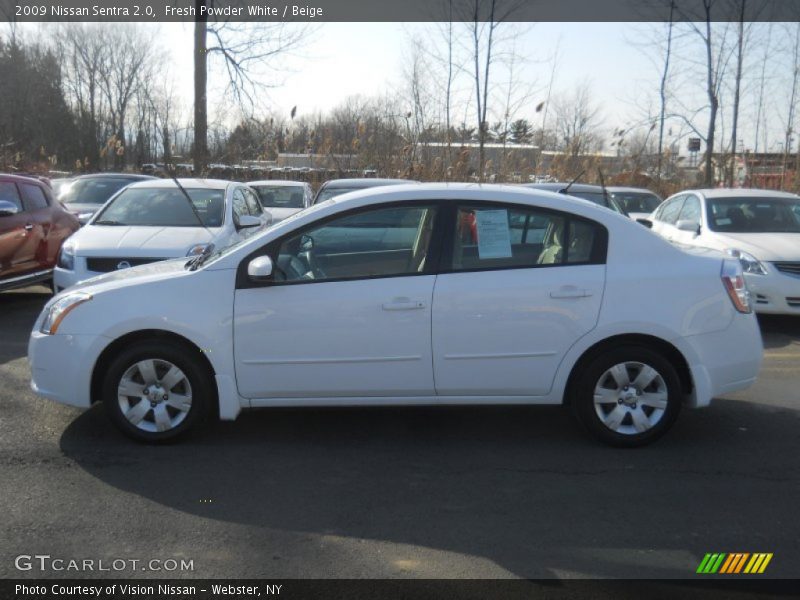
759	227
153	220
283	198
410	295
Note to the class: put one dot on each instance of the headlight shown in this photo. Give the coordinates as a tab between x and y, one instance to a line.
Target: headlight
750	264
197	249
60	309
66	256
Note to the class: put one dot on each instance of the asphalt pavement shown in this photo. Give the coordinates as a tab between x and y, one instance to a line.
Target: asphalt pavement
414	492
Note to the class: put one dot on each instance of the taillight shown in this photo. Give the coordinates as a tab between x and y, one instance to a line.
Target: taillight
733	280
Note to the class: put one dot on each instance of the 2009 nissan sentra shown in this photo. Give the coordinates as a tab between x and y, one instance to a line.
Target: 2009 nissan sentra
411	295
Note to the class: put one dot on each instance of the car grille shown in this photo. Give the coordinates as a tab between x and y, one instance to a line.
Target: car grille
105	265
792	268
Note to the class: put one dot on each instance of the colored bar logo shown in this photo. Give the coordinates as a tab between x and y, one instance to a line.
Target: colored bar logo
734	563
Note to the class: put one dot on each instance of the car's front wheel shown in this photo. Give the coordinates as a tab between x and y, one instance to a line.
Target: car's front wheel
156	391
629	396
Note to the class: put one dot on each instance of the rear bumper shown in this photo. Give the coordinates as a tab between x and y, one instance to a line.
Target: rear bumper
725	361
25	280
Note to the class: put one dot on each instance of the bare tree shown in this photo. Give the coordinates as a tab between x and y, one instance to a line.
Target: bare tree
576	122
246	50
790	116
662	90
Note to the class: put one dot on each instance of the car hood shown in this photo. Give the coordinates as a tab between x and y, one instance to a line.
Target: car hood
145	242
764	246
164	269
279	214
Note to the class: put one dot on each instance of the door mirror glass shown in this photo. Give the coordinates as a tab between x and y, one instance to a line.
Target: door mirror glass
7	208
259	269
687	225
246	221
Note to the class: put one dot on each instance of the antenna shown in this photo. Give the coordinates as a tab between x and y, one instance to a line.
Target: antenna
569	185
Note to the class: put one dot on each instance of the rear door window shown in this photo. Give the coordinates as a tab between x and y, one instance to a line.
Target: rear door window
33	196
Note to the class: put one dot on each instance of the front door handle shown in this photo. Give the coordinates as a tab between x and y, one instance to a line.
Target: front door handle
28	227
403	304
570	292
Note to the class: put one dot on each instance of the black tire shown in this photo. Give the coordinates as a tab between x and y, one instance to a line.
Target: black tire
627	434
197	381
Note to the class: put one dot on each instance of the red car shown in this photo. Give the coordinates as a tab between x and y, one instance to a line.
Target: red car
33	225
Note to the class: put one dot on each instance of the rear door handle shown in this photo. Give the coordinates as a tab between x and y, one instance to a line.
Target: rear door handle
570	293
403	304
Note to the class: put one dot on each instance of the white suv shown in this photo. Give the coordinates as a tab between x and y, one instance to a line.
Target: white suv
418	294
153	220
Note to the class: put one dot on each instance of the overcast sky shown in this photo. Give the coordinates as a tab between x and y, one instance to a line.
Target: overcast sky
345	59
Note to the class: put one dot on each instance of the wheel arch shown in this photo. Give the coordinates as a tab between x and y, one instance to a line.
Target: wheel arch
112	349
668	350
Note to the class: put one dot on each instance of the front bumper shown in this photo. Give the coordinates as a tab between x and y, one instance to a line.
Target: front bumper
775	292
61	366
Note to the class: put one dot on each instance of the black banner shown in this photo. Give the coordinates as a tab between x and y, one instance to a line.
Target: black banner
387	589
392	10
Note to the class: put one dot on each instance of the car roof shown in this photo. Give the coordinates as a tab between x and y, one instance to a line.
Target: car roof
187	182
365	182
741	193
623	188
576	187
278	182
21	178
131	176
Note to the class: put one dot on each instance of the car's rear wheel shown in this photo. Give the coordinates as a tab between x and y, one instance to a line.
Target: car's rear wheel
629	396
156	391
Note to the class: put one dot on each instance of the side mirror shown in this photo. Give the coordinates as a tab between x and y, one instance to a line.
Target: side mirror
690	226
646	222
247	221
259	269
8	209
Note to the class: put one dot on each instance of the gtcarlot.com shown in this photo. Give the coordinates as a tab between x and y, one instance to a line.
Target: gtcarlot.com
46	563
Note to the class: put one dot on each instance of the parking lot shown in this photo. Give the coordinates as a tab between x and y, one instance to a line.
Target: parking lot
456	492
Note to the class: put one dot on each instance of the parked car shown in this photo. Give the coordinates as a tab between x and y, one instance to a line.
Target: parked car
585	191
152	221
335	187
554	302
638	203
283	198
761	228
33	225
86	194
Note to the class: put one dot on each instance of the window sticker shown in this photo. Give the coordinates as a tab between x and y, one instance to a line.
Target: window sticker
494	238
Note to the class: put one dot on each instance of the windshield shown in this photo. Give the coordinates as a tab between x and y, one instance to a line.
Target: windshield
638	202
92	191
280	196
754	215
164	207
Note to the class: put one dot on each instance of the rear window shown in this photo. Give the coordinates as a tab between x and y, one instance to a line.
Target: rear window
92	191
283	196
